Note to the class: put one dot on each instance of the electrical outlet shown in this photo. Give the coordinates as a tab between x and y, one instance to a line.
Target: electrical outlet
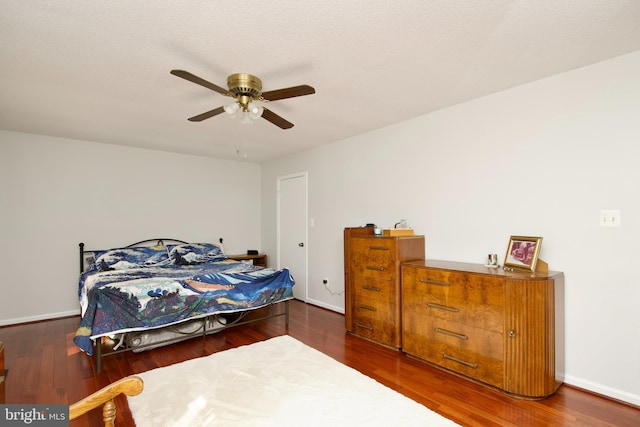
610	218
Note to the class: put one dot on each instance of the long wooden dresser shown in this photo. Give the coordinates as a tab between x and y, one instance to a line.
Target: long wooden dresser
372	282
502	328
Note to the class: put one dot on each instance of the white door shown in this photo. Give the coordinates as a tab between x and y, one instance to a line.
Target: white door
292	230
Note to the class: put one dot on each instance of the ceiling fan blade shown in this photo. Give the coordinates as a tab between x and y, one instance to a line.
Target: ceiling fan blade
208	114
289	92
276	119
197	80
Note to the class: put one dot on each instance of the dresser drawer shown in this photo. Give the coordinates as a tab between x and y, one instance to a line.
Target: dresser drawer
446	284
374	307
369	310
379	289
375	321
417	301
373	257
456	335
467	362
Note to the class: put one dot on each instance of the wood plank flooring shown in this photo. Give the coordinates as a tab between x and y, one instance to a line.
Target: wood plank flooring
45	367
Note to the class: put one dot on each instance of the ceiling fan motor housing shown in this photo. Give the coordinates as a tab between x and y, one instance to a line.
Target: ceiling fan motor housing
244	84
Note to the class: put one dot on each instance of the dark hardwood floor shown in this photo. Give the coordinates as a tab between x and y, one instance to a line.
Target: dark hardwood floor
45	367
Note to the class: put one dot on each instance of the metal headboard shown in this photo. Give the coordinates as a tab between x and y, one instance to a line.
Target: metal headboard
156	241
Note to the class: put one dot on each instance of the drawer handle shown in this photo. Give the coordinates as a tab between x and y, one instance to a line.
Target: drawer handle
452	334
367	307
434	282
464	362
443	307
360	325
378	248
370	267
371	288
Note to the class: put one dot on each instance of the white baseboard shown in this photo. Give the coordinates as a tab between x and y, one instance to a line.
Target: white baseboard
327	306
604	390
48	316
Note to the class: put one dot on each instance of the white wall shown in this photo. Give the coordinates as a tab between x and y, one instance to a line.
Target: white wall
541	160
57	192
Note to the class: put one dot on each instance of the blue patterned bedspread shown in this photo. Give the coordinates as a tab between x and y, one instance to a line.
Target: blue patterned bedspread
133	299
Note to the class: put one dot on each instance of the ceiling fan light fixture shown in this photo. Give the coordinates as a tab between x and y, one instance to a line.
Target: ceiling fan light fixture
231	109
255	111
246	118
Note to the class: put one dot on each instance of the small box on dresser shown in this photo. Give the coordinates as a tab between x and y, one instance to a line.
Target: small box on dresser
372	282
504	329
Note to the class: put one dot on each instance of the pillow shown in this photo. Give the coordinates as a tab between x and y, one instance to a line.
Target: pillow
126	258
89	263
195	253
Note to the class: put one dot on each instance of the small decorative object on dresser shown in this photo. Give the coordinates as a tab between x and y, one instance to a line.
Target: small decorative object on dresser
372	282
501	328
492	261
522	253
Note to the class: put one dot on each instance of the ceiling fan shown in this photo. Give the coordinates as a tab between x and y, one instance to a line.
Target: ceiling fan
246	89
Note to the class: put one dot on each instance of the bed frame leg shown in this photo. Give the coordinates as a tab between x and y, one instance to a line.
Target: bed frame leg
286	313
99	355
204	328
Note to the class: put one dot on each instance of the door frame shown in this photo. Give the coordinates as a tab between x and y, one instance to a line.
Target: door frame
279	180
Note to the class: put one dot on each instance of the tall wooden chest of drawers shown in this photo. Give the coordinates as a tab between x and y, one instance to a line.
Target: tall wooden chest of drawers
372	283
501	328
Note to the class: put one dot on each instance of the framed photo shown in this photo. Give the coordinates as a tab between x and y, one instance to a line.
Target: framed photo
523	252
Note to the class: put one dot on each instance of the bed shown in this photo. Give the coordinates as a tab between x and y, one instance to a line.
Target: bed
161	291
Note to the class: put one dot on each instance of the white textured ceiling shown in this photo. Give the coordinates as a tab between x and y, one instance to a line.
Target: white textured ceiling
99	70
